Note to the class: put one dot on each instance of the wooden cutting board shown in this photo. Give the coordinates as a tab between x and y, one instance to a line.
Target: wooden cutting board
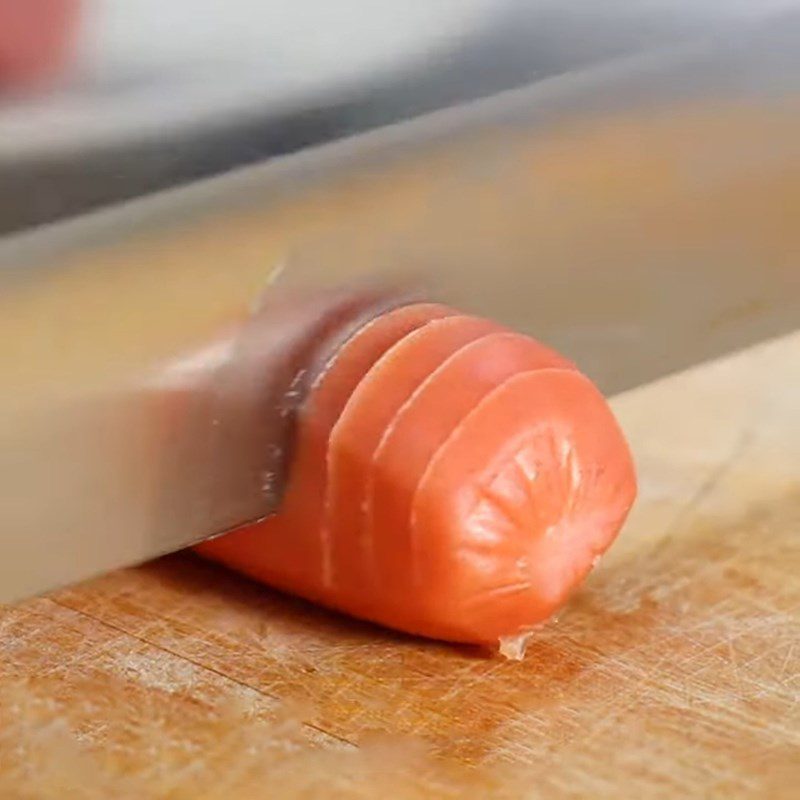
674	673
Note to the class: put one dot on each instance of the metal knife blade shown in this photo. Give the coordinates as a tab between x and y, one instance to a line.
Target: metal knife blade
638	216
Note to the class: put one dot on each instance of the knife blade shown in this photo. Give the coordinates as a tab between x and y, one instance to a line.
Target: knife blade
635	215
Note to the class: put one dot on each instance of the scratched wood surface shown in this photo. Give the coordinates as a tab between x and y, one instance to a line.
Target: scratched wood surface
674	673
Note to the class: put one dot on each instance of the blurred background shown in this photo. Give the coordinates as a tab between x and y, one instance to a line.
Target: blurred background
103	100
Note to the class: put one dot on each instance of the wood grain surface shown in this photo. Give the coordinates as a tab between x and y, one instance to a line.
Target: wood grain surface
674	673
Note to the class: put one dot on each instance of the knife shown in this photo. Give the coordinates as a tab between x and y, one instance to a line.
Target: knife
637	214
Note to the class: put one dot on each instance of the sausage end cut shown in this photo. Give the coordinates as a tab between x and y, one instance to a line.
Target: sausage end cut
498	478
